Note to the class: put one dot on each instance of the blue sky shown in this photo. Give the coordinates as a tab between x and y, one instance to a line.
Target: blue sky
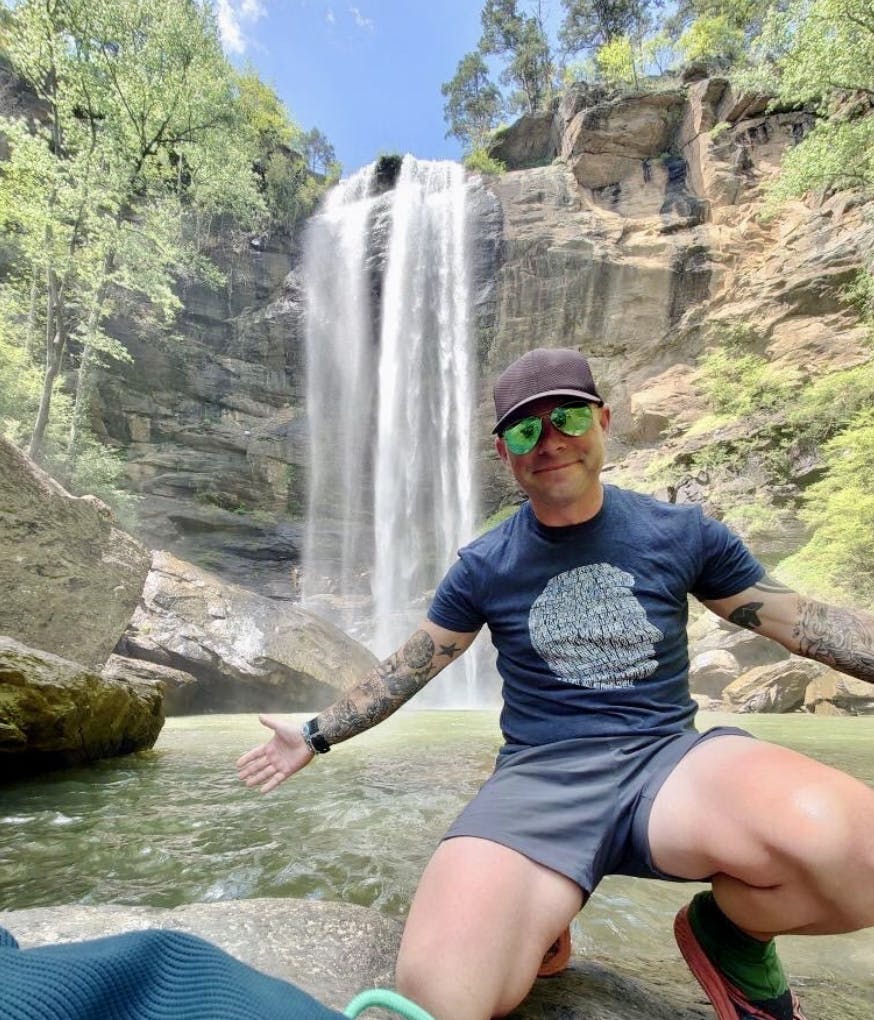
367	73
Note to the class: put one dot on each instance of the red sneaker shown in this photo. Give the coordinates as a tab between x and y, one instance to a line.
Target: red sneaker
558	956
729	1002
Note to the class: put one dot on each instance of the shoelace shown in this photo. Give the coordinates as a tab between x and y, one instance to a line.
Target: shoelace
386	999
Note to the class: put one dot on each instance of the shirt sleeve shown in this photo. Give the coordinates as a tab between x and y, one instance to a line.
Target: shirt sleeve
455	605
727	566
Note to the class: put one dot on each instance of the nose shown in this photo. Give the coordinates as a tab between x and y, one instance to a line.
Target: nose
550	437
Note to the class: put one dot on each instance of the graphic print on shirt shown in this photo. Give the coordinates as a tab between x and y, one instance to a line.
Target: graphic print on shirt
591	630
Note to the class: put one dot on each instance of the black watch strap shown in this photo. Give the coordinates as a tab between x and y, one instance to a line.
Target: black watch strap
315	741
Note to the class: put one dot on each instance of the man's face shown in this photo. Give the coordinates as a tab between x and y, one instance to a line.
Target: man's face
561	470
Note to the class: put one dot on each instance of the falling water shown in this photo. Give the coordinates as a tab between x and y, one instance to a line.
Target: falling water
390	395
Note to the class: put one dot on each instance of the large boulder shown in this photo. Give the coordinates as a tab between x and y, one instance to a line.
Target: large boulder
248	652
70	577
55	713
178	687
780	687
834	693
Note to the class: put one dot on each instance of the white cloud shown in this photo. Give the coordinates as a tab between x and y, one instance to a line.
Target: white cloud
233	18
360	20
330	16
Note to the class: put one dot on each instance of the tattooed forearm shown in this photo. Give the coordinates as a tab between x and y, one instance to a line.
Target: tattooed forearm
838	637
394	681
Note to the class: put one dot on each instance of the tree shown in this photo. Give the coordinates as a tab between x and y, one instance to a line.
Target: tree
616	62
142	138
821	52
473	103
318	152
522	39
590	24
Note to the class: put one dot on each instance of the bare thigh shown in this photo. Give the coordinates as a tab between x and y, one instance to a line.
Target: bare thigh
481	920
788	841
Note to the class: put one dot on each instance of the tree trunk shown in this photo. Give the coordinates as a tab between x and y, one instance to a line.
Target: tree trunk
56	343
85	378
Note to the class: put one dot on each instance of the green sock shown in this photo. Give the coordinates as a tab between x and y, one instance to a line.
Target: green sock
750	964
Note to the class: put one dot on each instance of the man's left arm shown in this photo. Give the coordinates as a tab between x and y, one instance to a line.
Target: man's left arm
841	638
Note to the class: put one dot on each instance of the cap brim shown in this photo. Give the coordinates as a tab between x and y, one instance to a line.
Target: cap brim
580	394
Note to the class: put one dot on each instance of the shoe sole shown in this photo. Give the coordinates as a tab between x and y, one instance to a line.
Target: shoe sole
727	1000
557	956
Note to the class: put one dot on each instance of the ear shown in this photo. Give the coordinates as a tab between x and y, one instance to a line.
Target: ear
604	418
501	447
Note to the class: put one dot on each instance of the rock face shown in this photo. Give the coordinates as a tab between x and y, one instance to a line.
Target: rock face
247	652
69	577
637	238
55	713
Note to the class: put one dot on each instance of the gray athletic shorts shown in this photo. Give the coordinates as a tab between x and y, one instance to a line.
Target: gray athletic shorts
580	807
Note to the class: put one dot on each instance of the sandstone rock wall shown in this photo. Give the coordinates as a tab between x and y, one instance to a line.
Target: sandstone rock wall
69	576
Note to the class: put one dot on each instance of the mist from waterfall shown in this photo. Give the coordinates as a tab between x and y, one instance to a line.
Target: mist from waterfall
390	398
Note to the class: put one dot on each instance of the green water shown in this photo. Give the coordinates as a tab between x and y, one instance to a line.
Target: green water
174	825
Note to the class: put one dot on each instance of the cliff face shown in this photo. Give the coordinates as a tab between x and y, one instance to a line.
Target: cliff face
630	228
639	240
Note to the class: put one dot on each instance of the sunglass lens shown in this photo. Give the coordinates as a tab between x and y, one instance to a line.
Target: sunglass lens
522	437
572	421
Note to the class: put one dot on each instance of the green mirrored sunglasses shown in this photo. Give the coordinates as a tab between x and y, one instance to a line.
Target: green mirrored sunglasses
572	420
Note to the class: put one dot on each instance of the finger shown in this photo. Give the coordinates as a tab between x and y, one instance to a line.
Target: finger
256	778
251	756
271	784
270	721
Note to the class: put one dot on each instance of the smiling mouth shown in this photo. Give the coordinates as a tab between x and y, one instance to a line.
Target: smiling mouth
554	467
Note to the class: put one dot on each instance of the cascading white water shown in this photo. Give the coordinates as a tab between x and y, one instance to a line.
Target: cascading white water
392	468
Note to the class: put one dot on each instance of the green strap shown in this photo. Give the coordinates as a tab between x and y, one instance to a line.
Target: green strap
387	1000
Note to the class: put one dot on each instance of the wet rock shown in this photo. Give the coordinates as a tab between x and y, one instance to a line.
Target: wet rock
333	951
55	713
178	689
248	653
69	576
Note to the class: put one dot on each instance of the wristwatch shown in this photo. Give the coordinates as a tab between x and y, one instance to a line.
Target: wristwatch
314	740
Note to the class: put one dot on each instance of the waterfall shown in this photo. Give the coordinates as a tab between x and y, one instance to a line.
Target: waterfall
390	398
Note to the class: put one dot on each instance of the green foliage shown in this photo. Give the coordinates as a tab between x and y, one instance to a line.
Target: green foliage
820	52
479	161
588	25
473	103
737	381
840	510
713	38
107	202
266	114
501	514
827	406
616	63
320	154
831	157
753	520
522	40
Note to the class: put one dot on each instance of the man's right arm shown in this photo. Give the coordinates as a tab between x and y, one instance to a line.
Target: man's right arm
381	693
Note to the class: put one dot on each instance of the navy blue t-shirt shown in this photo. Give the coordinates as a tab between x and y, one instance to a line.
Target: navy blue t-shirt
589	620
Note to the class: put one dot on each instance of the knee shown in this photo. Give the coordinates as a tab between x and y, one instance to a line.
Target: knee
826	837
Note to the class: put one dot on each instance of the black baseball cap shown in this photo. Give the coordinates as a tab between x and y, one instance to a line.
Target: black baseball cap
544	372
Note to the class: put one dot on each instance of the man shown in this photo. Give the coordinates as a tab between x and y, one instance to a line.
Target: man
584	591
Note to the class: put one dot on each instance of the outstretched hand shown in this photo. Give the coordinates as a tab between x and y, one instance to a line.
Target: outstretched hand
284	754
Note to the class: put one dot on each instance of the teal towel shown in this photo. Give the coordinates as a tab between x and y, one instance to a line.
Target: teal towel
143	975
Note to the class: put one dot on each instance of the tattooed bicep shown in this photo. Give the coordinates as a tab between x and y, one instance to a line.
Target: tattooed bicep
771	586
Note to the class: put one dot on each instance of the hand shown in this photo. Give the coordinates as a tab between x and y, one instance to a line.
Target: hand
271	763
